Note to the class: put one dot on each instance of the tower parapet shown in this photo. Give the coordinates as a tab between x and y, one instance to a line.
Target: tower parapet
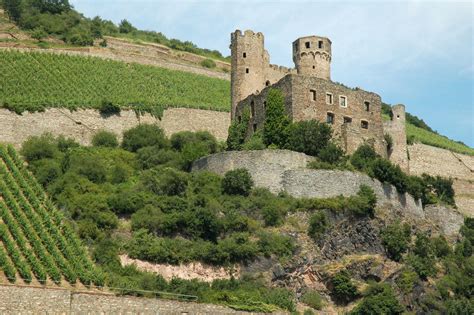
312	56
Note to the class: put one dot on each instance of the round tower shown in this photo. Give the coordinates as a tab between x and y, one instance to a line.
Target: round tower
247	65
312	56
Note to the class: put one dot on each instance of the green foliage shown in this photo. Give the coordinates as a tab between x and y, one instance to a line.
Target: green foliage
38	34
386	172
313	299
365	202
379	299
254	143
331	154
441	246
208	63
46	170
422	258
318	224
39	147
343	290
108	109
237	182
311	137
238	131
105	138
126	27
276	121
362	157
165	181
143	136
129	86
407	280
396	239
13	8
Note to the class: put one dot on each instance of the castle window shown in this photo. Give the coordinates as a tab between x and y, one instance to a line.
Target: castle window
313	94
314	67
364	124
244	55
329	98
330	118
347	120
267	83
307	44
367	106
252	108
343	101
320	44
246	70
254	127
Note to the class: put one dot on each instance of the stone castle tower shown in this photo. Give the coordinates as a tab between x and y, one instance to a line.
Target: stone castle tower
312	56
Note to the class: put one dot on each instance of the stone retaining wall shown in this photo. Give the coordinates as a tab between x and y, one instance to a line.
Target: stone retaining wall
83	124
35	300
282	170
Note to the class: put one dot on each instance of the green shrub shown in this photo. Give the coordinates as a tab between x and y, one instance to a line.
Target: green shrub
237	182
276	244
144	136
379	299
422	258
238	131
318	224
165	181
313	299
39	34
208	63
311	137
363	156
395	239
365	202
441	246
343	290
105	139
272	215
276	120
386	172
254	143
149	157
39	147
46	170
407	280
389	142
331	153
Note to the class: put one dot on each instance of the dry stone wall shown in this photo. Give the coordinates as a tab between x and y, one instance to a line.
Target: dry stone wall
83	124
282	170
437	161
35	300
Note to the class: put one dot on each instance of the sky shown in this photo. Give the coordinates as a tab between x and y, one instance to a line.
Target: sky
416	53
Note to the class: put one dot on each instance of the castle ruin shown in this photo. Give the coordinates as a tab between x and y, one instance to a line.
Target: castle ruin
309	93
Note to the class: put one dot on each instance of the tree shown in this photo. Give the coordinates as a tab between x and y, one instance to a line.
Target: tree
238	131
52	6
395	239
318	224
105	138
343	289
237	182
126	27
379	299
13	9
275	128
144	136
310	137
362	157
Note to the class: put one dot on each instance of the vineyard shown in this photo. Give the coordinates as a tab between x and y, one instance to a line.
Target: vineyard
34	81
35	240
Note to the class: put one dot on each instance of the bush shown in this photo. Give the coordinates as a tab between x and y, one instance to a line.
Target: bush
365	202
46	170
208	63
38	34
331	154
237	182
40	147
395	239
144	136
105	139
311	137
343	289
238	131
272	215
318	224
149	157
386	172
126	27
165	181
407	280
379	299
313	299
363	156
276	244
254	143
107	108
441	246
275	128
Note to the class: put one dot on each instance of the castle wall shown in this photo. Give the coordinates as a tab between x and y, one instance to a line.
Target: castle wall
35	300
282	170
83	124
396	129
440	162
312	56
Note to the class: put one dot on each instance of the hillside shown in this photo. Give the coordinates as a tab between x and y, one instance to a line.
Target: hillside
37	245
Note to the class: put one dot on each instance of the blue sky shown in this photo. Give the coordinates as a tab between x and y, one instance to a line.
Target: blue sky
418	53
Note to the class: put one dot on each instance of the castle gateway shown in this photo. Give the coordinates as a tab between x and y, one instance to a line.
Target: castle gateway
309	93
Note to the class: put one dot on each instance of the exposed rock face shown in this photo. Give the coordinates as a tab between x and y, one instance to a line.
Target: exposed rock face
446	219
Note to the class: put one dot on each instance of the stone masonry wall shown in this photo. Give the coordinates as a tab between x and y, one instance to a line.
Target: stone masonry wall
83	124
282	170
35	300
437	161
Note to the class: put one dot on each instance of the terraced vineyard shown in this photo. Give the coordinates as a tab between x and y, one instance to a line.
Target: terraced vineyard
35	240
33	81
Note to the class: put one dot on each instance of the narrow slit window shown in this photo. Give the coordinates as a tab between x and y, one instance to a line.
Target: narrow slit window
245	55
364	124
343	101
347	120
329	98
246	70
320	44
330	118
312	94
367	106
307	44
252	108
